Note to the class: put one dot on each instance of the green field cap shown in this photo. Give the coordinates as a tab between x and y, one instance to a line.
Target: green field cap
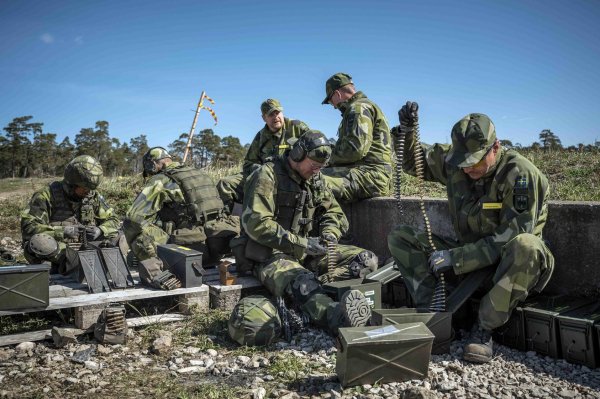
472	137
335	82
270	105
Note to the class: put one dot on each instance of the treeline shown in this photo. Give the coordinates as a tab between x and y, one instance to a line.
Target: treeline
26	150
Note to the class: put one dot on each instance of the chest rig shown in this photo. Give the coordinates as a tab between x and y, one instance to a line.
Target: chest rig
66	212
202	201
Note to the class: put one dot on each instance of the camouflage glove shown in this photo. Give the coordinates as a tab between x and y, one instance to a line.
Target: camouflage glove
409	115
330	237
440	262
92	232
72	231
314	247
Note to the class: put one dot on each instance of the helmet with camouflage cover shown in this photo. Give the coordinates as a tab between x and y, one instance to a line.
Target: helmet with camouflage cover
152	155
84	171
472	138
254	321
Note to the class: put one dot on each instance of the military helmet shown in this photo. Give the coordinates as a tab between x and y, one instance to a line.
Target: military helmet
84	171
335	82
312	144
254	321
43	246
152	155
472	138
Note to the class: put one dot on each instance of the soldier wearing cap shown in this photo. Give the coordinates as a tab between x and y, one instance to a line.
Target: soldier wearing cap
268	143
498	204
63	211
360	164
289	213
178	204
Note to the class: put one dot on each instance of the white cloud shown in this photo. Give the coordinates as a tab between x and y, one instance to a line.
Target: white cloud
78	40
47	38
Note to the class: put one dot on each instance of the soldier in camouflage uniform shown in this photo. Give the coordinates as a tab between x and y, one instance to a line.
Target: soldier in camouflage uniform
289	213
61	212
268	143
360	165
178	204
498	204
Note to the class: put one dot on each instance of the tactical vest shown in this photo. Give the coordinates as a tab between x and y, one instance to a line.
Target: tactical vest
294	207
65	212
202	201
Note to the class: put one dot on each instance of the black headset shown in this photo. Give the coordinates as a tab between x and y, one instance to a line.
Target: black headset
300	148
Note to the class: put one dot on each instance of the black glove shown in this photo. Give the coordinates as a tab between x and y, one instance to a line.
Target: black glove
329	237
72	231
92	232
409	114
440	262
314	247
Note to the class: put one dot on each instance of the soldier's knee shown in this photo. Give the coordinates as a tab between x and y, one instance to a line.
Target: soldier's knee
401	233
524	244
304	286
363	263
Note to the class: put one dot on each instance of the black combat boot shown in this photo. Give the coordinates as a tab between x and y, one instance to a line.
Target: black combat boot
480	347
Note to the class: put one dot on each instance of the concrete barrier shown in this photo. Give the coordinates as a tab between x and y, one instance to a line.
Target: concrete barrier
573	230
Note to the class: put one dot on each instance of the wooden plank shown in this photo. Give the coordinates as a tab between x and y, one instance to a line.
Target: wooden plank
131	294
42	335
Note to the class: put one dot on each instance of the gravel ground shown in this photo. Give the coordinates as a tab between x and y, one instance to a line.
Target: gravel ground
179	361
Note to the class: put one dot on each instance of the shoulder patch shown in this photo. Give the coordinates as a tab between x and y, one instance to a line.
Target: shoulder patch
521	194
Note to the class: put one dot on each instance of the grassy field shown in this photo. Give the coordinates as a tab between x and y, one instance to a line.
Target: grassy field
574	176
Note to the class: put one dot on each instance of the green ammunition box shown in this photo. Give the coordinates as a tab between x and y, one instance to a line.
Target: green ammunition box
439	323
393	290
371	290
24	286
578	335
512	333
183	262
541	325
383	354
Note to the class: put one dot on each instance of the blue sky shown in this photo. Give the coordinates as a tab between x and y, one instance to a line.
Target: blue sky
141	65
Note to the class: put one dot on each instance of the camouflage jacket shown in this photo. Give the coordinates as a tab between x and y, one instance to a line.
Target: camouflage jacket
262	208
512	198
40	216
363	135
267	145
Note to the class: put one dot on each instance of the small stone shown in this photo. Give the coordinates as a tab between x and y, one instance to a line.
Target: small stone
211	352
25	347
194	362
63	336
565	393
178	360
46	390
243	359
104	350
259	393
91	365
163	343
530	354
191	370
71	380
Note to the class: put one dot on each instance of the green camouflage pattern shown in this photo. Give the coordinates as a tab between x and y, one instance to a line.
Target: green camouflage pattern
498	220
261	224
254	321
335	82
156	154
84	171
362	156
143	226
265	146
270	105
312	144
472	137
36	219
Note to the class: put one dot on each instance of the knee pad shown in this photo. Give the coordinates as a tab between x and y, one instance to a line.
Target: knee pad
304	286
43	246
363	263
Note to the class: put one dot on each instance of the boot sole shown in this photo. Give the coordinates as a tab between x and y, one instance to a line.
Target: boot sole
474	358
355	308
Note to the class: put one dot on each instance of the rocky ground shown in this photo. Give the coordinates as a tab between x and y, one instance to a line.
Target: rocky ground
196	359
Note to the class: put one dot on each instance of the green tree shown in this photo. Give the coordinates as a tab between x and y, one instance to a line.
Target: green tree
138	146
95	142
549	140
65	151
43	154
230	151
17	146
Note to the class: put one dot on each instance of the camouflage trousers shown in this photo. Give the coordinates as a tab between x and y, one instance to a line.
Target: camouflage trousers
357	183
279	273
525	265
231	189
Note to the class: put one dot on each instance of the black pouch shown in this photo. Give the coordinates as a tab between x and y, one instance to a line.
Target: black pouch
258	252
243	265
188	236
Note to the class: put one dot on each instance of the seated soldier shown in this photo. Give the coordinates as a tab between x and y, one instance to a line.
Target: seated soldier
269	142
67	211
179	204
289	215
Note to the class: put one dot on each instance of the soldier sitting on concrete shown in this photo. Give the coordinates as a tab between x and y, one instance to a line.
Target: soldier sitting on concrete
62	212
498	204
289	214
179	204
268	143
361	162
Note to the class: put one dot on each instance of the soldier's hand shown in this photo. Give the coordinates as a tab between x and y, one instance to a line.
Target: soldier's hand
440	262
72	231
314	247
92	232
329	237
409	114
